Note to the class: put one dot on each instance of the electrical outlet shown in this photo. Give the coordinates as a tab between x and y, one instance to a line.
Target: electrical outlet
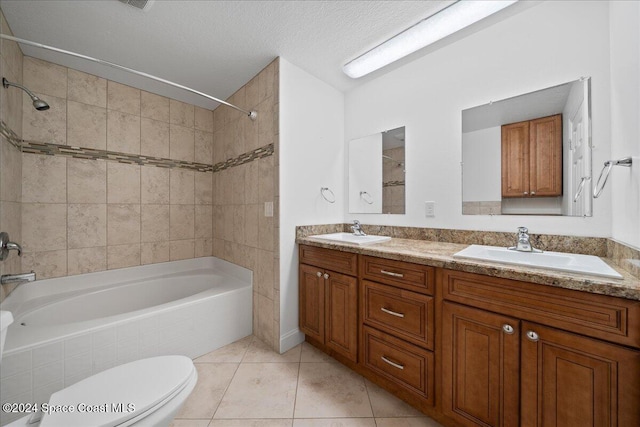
430	209
268	209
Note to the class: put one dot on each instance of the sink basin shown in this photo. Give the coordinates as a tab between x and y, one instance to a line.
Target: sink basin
352	238
574	263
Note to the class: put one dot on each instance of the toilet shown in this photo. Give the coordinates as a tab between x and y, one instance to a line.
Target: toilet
147	392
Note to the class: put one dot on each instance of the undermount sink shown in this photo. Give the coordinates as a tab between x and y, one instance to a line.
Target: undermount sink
574	263
352	238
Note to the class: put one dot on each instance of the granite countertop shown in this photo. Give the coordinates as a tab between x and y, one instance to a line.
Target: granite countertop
440	254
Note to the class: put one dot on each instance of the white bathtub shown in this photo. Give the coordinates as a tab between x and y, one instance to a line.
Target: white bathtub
69	328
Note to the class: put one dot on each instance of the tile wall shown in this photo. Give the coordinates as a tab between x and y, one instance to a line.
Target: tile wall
393	185
84	215
243	233
10	158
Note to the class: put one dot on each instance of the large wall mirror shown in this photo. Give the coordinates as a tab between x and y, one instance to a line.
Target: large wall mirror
530	154
377	172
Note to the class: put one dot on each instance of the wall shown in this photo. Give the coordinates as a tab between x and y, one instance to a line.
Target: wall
10	158
311	156
243	233
82	215
624	185
547	44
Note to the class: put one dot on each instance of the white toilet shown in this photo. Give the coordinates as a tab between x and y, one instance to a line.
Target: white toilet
147	392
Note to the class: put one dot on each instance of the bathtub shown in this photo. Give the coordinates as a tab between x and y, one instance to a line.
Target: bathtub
69	328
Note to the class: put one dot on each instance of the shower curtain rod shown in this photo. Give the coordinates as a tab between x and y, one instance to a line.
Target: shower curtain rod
252	114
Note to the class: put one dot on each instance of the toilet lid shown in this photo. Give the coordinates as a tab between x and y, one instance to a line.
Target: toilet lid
116	395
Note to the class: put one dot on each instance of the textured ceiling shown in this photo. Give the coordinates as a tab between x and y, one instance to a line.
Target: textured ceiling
212	46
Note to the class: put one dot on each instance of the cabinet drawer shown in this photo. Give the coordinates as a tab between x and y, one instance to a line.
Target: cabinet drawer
405	314
400	362
342	262
414	277
599	316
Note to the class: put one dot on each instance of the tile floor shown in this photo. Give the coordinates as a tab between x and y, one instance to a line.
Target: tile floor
246	384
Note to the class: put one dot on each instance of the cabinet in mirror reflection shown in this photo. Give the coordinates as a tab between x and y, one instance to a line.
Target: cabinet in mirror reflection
377	173
530	154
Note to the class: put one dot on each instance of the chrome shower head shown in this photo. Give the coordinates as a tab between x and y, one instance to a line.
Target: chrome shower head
38	103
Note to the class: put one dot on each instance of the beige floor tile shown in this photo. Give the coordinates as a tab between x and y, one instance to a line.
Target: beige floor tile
213	379
407	422
328	390
252	423
260	390
231	353
189	423
334	422
310	354
259	352
386	405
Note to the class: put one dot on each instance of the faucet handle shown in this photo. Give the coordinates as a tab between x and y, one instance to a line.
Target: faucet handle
523	230
356	222
6	246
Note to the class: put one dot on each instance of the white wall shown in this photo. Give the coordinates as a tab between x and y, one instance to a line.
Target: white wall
624	184
311	156
365	174
545	45
481	155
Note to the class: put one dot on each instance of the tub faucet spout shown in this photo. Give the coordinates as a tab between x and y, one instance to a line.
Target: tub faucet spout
7	279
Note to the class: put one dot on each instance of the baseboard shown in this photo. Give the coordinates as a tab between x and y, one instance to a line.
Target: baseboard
290	340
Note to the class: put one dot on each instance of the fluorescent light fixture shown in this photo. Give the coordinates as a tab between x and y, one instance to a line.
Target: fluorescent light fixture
446	22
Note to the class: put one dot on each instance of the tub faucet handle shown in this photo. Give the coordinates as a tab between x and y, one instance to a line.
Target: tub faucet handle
6	246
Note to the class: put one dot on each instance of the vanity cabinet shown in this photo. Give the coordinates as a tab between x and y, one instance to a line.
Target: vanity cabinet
532	158
328	297
398	325
518	354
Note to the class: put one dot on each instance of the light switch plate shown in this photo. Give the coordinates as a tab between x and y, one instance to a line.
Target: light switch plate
430	209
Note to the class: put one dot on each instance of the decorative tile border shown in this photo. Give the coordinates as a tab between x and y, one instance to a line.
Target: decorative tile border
393	184
50	149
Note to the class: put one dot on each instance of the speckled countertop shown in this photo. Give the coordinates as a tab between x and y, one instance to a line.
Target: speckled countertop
440	254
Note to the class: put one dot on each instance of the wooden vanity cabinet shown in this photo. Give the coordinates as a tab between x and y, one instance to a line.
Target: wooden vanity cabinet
397	326
328	297
532	158
518	354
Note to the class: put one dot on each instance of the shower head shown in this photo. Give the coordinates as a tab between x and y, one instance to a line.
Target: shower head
38	103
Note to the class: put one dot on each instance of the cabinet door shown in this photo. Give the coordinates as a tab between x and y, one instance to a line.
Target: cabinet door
570	380
341	314
480	367
311	295
545	156
515	160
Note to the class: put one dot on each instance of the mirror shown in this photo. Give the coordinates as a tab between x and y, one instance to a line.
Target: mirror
530	154
376	173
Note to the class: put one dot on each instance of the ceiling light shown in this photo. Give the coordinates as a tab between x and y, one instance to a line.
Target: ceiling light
446	22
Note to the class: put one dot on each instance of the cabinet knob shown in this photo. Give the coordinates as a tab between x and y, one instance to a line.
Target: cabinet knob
326	276
533	193
525	193
508	329
319	274
532	336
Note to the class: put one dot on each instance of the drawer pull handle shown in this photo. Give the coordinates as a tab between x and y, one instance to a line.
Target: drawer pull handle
393	313
395	365
391	273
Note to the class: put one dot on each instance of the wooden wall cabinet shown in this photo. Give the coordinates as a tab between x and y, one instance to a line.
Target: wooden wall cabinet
532	158
502	368
329	300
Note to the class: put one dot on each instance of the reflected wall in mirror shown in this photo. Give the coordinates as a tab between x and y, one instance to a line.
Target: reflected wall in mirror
377	172
530	154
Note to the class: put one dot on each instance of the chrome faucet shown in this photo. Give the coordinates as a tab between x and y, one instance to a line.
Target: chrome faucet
524	244
6	246
357	228
7	279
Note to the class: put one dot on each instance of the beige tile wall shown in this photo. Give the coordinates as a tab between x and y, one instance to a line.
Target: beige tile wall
82	216
10	159
242	233
393	197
